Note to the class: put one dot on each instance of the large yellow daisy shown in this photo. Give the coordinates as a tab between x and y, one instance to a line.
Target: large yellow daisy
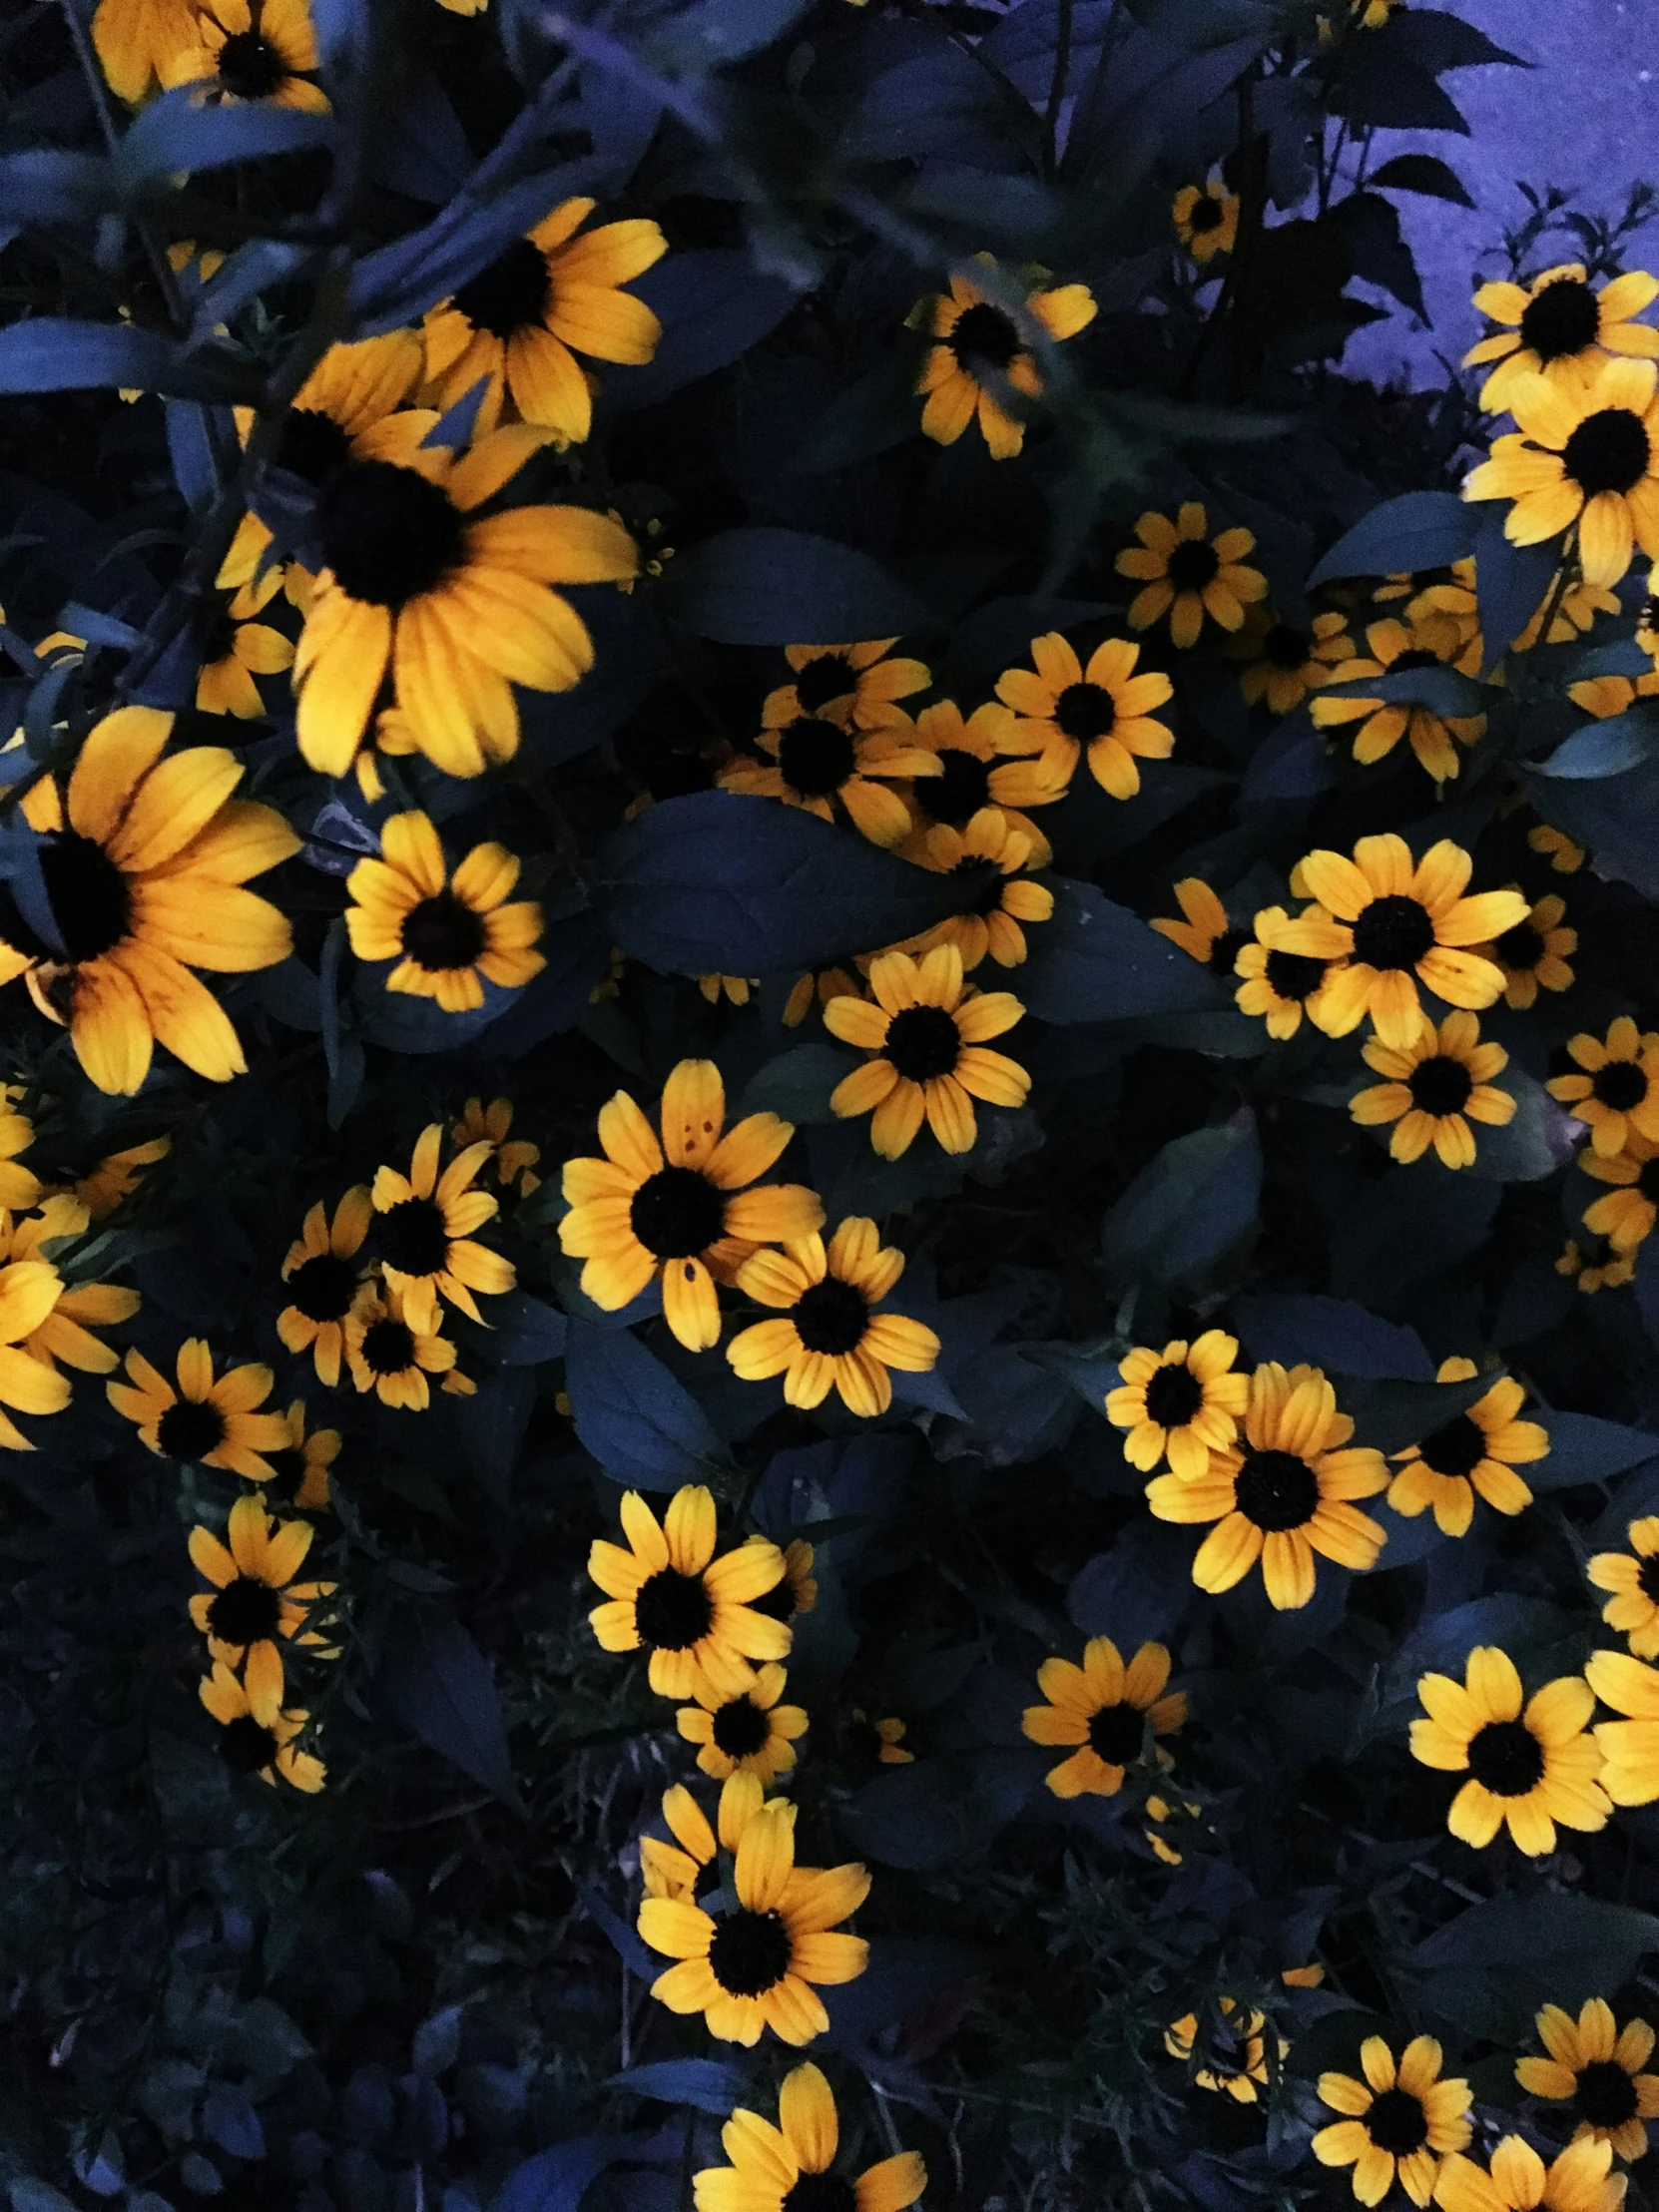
30	1290
1559	324
323	1271
1059	709
1186	573
1400	2120
423	1236
1596	2066
929	1055
1434	1089
1577	2180
818	760
668	1594
1616	1095
263	50
448	933
209	1424
1586	455
1100	1712
828	1334
255	1604
746	1732
1527	1768
1185	1401
862	683
1474	1454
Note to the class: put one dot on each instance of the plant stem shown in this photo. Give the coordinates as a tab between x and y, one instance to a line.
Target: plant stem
1057	87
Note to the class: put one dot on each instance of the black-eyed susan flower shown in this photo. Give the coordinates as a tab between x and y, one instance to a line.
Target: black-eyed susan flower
879	1741
524	320
1185	1401
1565	857
1593	1265
976	771
66	1332
1586	455
260	1742
1101	1712
815	761
1233	2059
1206	932
1286	661
817	987
735	989
1187	574
1603	696
798	1590
233	654
1528	1768
1277	985
982	365
142	861
1061	710
1577	2180
1434	1089
1009	900
300	1468
1398	2122
453	609
1617	1092
514	1156
423	1232
792	2167
1206	219
1474	1454
1283	1494
674	1869
827	1333
20	1186
1392	649
1629	1746
680	1210
748	1732
29	1291
386	1353
1534	953
104	1185
668	1594
203	1422
323	1271
1596	2066
862	684
755	1965
448	933
1559	325
255	1604
136	39
927	1039
1632	1578
262	50
1625	1217
1391	925
1576	608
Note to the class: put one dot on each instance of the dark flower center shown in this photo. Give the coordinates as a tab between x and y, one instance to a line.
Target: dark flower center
677	1213
1285	646
1085	712
244	1746
1294	975
1205	214
245	1612
1609	451
677	775
1606	2096
1647	1181
820	2193
924	1042
88	897
188	1430
741	1729
1440	1085
830	676
815	758
1507	1757
1648	619
1192	564
313	446
250	67
411	1237
512	293
1392	933
387	534
1522	949
323	1288
1226	950
673	1611
1397	2123
955	794
984	337
1458	1447
777	1604
1116	1734
443	932
1173	1396
219	637
749	1952
1276	1490
388	1347
831	1317
1562	318
1618	1085
287	1467
1647	1577
1402	664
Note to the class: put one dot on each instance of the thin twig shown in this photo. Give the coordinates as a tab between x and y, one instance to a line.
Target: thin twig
1057	87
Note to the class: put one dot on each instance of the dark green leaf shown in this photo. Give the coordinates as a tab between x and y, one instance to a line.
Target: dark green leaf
785	587
434	1681
1095	961
645	1428
1188	1211
52	353
1418	530
1422	172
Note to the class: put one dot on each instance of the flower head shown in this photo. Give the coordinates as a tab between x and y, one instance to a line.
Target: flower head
1632	1578
1558	326
1617	1091
1185	1401
862	684
1474	1454
1397	650
746	1732
301	1467
66	1331
1101	1712
828	1334
1206	219
31	1289
791	2167
323	1274
1596	2066
1629	1746
1527	1768
1234	2052
233	654
448	933
255	1602
423	1232
1433	1090
1399	2121
1625	1217
263	1742
1009	900
1277	985
927	1041
982	363
387	1354
136	40
820	760
261	50
1534	953
515	1157
1186	573
1286	662
668	1593
1061	709
981	766
203	1423
1576	2180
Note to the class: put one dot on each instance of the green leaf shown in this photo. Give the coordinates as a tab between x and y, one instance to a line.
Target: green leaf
1419	530
54	354
713	304
1095	961
943	1811
1583	1448
645	1428
785	587
1422	172
1530	1146
796	1085
1187	1211
177	132
1606	748
1491	1968
435	1682
1389	1414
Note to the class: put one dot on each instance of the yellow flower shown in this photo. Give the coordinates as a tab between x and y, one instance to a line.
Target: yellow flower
1235	2047
1618	1091
1565	857
1282	1495
1559	324
1575	612
975	771
1186	574
1474	1454
1206	219
1288	662
1577	2180
262	50
828	1334
1395	651
386	1353
136	39
1059	709
30	1292
1391	925
882	1740
1434	1089
1009	900
233	654
1101	1712
817	760
1534	953
1600	1268
262	1742
203	1423
680	1210
1634	1607
1597	2067
524	318
255	1602
746	1732
1527	1769
301	1467
674	1869
1399	2123
1185	1401
323	1281
1625	1217
115	1177
1603	696
669	1595
448	933
797	1592
1629	1746
66	1332
791	2166
1205	934
1279	985
983	359
927	1041
424	1238
515	1157
858	682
